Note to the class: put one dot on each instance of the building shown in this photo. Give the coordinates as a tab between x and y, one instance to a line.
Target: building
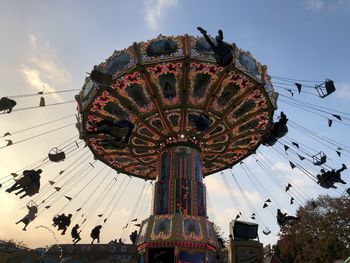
111	252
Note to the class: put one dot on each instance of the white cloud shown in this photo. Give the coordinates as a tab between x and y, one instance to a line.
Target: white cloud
215	187
32	76
32	41
334	5
282	166
295	176
41	71
51	70
315	5
343	91
154	10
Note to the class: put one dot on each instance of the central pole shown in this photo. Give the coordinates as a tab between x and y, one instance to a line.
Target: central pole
178	229
179	187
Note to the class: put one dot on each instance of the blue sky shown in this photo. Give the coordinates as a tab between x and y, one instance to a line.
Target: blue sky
53	44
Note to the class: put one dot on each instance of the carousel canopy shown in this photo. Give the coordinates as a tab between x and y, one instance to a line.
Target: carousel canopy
170	91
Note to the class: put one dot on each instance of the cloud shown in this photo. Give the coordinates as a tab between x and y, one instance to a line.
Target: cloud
215	187
343	91
295	176
40	69
50	69
154	10
334	5
315	5
32	41
32	76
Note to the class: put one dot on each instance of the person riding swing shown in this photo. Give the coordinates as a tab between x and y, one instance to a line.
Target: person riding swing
223	51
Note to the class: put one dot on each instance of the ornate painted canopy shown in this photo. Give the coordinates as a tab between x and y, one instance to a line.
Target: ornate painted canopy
173	92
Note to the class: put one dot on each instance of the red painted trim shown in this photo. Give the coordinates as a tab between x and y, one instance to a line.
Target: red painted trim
169	181
210	247
229	110
176	244
214	91
186	48
180	179
171	184
156	101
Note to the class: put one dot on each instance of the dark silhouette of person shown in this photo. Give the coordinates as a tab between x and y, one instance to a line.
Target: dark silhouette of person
121	130
28	183
281	122
75	234
64	223
284	219
57	219
327	179
34	187
323	180
278	130
95	234
122	124
336	175
223	51
101	77
133	237
32	211
7	104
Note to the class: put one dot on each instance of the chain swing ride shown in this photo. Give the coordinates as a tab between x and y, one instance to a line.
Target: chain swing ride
171	111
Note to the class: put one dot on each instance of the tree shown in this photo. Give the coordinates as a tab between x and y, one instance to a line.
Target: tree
13	245
221	250
322	235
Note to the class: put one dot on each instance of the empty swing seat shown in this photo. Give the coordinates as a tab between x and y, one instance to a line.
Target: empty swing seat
330	88
266	231
319	159
42	102
325	88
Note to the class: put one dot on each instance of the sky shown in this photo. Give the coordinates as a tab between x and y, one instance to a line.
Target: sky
51	45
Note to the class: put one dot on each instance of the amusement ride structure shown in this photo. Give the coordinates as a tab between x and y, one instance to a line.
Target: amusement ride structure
166	110
171	111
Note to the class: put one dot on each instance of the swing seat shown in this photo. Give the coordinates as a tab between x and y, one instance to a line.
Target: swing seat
119	132
282	131
118	144
225	57
201	122
33	206
266	231
42	102
319	159
325	88
101	77
56	155
7	104
269	139
24	181
32	190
